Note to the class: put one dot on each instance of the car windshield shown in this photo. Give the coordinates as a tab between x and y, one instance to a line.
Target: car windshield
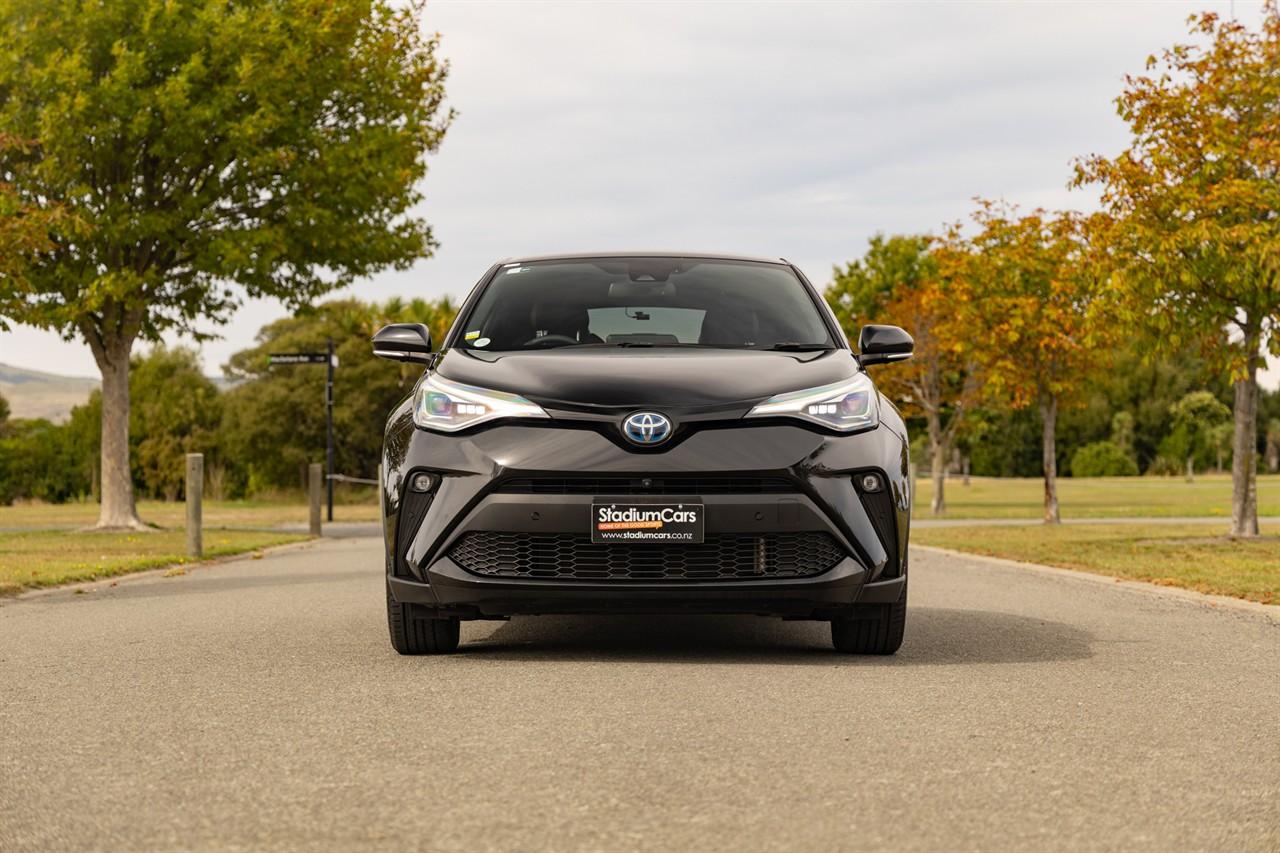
645	302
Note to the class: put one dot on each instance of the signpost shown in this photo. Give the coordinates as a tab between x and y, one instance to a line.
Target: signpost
318	358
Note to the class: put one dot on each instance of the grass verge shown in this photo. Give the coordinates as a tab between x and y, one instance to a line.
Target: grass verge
240	514
1193	556
1095	497
38	558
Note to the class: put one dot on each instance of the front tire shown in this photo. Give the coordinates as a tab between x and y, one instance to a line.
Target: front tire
415	635
875	629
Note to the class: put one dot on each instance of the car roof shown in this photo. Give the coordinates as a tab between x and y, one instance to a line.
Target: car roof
578	256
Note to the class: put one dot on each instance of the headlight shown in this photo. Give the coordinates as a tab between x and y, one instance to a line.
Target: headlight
451	406
847	405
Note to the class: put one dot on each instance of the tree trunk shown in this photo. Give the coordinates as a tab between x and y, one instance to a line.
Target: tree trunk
1049	413
938	460
1191	469
117	510
1244	483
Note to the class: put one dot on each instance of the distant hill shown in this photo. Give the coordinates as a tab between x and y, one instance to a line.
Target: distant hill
32	394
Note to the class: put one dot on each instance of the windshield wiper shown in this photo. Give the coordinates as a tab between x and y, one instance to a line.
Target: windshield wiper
794	346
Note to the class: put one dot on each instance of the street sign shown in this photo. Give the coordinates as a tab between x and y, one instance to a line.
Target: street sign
298	358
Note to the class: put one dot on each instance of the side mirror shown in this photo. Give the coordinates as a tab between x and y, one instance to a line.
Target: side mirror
403	342
883	344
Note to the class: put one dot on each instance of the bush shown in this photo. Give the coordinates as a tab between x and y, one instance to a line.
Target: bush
1102	459
38	461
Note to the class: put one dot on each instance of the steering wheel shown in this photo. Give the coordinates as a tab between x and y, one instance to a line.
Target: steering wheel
556	339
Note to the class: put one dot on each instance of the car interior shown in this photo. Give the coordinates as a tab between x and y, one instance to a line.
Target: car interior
707	304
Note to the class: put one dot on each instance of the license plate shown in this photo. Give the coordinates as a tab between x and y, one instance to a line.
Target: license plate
629	521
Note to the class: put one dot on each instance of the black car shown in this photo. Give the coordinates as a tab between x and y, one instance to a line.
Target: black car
641	433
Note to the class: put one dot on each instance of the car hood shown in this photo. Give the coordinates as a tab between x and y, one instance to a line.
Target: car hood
624	378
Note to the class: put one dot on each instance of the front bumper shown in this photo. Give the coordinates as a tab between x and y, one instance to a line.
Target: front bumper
454	591
470	497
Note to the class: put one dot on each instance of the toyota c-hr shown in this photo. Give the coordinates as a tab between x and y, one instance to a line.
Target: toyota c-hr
645	433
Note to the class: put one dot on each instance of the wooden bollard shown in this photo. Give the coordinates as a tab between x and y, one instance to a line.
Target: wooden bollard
195	507
315	478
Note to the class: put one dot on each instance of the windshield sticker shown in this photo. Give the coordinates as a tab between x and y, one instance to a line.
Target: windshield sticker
483	342
515	270
471	336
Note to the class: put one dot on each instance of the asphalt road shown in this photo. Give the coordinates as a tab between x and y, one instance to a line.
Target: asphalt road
256	704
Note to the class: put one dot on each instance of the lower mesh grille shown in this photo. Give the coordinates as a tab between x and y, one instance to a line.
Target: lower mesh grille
569	556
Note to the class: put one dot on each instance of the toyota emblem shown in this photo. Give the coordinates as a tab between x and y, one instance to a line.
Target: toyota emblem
647	428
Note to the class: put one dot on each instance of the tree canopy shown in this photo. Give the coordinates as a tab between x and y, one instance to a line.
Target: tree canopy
213	149
1191	226
203	151
1030	292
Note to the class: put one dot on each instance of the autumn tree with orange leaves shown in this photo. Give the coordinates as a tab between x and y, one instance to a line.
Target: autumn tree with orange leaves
902	280
1193	212
1030	296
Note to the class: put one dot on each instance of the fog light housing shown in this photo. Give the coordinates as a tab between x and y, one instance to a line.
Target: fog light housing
422	482
870	482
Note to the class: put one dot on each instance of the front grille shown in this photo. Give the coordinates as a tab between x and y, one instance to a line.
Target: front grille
642	485
569	556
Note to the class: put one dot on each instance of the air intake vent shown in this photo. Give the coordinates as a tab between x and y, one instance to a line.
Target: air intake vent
879	506
568	556
641	485
413	508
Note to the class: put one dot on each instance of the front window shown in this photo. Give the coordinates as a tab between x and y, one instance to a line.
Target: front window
644	302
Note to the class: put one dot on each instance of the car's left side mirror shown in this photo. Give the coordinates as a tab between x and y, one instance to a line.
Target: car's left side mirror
403	342
883	344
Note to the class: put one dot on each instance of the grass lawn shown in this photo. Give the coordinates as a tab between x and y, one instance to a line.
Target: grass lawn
243	514
1094	497
47	557
1194	556
43	544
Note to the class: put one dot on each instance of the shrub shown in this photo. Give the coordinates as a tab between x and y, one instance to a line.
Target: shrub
1102	459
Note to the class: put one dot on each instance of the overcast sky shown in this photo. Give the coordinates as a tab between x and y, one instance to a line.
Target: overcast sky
789	129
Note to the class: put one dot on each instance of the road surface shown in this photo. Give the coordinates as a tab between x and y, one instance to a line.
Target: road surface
257	705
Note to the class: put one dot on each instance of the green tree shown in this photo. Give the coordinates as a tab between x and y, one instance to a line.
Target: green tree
273	419
208	150
176	410
24	231
38	462
1195	419
1122	424
1192	208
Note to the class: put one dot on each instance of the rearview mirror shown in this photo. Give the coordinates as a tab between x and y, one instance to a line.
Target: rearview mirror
883	344
403	342
641	289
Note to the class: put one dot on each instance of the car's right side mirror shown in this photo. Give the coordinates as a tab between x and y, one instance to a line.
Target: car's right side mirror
883	344
403	342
